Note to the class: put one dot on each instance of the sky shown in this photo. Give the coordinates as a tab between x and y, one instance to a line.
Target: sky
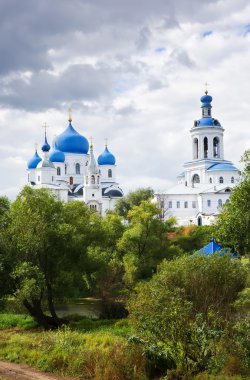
132	71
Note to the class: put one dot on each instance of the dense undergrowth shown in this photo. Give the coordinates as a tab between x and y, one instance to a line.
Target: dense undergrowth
86	349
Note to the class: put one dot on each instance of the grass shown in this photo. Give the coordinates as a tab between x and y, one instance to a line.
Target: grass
86	349
8	321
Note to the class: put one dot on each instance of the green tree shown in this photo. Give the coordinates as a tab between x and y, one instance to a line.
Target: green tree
144	243
48	240
5	257
182	310
134	198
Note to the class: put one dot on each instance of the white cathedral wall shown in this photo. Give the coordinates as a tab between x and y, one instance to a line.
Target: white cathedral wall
71	159
104	173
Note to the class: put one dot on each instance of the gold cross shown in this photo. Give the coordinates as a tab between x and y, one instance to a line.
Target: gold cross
45	126
206	85
70	114
91	141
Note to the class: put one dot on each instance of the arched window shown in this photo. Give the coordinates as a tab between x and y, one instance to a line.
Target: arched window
232	179
98	179
205	141
92	179
216	146
71	180
219	202
77	168
199	221
221	180
65	168
196	148
210	180
196	178
110	173
58	171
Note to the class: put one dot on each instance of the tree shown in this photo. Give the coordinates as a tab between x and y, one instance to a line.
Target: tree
144	243
133	198
48	240
180	313
233	224
5	257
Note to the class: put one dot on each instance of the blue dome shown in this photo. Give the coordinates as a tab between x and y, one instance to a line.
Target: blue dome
56	155
34	161
70	141
207	122
206	100
46	146
106	158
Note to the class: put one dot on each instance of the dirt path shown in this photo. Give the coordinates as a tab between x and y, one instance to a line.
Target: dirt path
11	371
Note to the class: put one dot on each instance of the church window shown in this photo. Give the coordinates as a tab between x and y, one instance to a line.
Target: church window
216	143
162	204
205	147
178	204
210	180
219	202
110	173
93	195
52	178
170	204
58	171
193	204
199	221
209	203
209	112
38	178
98	179
196	178
92	179
185	204
71	180
221	180
227	200
78	168
196	148
65	168
232	179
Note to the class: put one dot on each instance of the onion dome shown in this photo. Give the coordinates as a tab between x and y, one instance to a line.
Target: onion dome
34	161
70	141
106	158
112	191
56	155
46	146
206	100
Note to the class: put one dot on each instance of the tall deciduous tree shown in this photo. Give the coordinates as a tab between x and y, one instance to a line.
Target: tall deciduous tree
233	225
134	198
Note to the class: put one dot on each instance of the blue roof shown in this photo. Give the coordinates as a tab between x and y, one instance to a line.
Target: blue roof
70	141
56	155
208	122
212	248
34	161
222	166
106	158
46	146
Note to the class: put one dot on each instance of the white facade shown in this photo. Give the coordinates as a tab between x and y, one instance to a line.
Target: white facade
70	171
208	179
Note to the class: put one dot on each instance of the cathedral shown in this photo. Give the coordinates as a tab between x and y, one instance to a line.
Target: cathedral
207	180
71	172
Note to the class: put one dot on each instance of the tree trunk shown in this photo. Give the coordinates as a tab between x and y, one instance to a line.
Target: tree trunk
35	310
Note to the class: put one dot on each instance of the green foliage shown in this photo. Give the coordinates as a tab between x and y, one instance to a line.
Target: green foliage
8	321
133	198
100	354
183	309
233	225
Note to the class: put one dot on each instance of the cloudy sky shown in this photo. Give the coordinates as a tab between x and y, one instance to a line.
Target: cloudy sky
132	71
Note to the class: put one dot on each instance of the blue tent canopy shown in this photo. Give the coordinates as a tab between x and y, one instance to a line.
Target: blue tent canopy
214	247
